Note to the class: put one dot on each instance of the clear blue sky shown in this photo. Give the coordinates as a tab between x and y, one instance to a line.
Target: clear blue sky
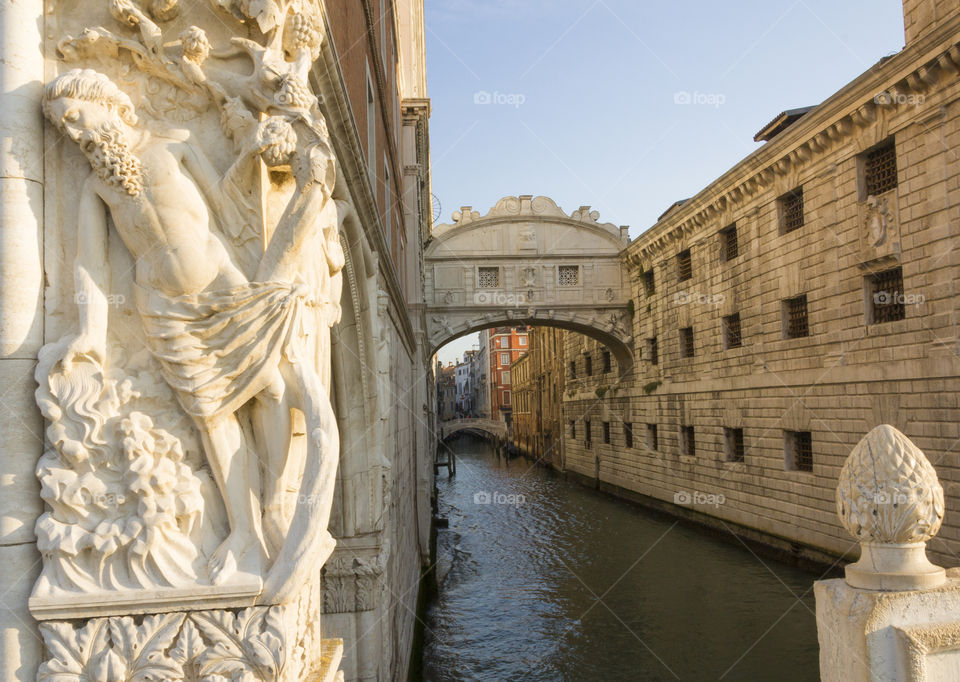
583	95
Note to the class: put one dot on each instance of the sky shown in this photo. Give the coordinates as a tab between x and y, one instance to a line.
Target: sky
622	105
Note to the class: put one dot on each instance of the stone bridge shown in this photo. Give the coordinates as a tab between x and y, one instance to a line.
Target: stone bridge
528	262
489	426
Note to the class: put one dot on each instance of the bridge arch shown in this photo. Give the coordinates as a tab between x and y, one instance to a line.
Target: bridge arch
529	263
492	427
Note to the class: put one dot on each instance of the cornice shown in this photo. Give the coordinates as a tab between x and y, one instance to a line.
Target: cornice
917	69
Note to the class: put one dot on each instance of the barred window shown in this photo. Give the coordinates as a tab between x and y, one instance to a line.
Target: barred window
687	441
606	432
587	436
588	365
888	303
686	342
798	450
731	331
569	275
684	266
652	441
488	278
653	352
791	210
628	434
607	365
649	284
880	169
796	323
729	248
734	443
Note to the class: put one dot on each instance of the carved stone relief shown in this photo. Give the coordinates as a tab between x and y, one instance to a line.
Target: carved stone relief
192	455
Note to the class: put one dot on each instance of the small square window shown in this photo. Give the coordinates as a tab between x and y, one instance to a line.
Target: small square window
791	210
798	450
628	434
649	284
686	342
606	432
731	331
652	441
795	319
887	301
684	266
568	275
880	169
729	248
734	444
488	278
607	365
653	354
687	441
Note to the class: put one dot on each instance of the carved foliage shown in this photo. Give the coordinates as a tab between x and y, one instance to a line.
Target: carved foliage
258	643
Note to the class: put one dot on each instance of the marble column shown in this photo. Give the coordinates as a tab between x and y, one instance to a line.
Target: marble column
21	327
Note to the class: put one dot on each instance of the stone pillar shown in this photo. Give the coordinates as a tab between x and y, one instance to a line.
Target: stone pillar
896	616
21	327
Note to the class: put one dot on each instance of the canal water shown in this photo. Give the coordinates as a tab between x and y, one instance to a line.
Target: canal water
542	579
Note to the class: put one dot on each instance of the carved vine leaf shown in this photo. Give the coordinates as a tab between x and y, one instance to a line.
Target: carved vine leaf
73	651
156	634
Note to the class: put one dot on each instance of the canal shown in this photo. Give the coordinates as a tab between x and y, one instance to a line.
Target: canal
542	579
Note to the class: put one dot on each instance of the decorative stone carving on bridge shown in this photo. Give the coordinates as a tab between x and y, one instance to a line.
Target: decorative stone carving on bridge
889	498
528	262
192	442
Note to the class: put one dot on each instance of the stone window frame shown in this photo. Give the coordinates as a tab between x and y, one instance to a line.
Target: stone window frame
587	433
895	308
791	210
573	429
687	343
732	331
565	282
734	448
573	369
628	441
729	243
606	433
649	282
587	364
607	362
798	451
653	350
688	440
486	270
790	309
864	162
653	438
684	265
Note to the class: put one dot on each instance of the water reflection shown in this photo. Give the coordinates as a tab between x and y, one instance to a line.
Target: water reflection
541	579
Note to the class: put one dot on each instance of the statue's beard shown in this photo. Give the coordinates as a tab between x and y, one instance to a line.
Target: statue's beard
111	158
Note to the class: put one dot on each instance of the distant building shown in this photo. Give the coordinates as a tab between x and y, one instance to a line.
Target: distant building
446	391
505	345
466	384
482	386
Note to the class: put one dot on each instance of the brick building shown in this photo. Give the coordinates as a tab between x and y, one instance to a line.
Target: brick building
505	345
